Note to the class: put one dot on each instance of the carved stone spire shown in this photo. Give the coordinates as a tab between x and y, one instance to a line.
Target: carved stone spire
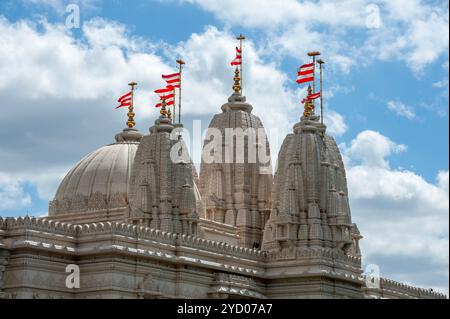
157	198
310	187
235	186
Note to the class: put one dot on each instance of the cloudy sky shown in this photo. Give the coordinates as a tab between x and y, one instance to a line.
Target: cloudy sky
386	98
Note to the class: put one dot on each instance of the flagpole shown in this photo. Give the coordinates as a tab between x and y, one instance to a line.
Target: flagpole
180	63
321	63
131	123
174	118
241	38
313	54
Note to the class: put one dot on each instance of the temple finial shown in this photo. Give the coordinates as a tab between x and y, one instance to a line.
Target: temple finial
131	123
309	105
163	111
237	81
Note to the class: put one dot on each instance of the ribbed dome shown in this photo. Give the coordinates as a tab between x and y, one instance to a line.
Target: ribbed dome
100	180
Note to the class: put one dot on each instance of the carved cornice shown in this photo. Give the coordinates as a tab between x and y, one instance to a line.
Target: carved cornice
125	229
398	288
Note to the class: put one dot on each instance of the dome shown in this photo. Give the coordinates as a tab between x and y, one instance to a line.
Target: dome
99	182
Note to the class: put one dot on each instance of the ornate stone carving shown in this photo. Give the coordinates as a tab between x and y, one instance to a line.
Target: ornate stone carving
237	193
310	193
163	192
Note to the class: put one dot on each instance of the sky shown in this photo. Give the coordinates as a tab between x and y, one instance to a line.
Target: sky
386	97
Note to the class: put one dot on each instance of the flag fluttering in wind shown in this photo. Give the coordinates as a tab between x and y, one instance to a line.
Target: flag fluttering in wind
306	73
311	97
238	60
173	79
125	100
167	94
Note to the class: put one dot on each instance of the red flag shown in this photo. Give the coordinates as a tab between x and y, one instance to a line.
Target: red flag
305	73
169	102
311	97
125	100
173	79
166	94
163	92
238	59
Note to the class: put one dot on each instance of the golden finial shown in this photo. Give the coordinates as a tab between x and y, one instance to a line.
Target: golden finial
163	111
309	105
237	81
131	123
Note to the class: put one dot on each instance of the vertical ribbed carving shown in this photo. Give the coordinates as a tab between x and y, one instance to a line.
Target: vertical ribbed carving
170	185
246	190
310	174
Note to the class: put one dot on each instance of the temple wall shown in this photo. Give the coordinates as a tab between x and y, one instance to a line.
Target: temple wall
125	261
390	289
121	261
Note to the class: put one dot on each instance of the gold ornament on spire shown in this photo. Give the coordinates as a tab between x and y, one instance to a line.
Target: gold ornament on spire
237	81
163	111
241	40
309	105
131	123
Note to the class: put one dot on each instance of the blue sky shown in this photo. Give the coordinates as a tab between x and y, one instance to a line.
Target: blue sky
386	95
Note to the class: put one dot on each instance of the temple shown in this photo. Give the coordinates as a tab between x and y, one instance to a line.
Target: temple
138	222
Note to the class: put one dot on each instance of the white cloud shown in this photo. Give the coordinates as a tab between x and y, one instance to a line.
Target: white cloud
60	5
74	84
274	13
64	106
417	33
12	193
372	149
400	214
335	122
413	31
443	180
401	109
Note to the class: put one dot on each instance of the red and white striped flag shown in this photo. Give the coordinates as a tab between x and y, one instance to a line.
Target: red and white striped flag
125	100
166	94
238	59
305	73
173	79
311	97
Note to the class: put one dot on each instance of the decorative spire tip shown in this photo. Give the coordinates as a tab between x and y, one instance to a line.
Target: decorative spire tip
131	123
237	81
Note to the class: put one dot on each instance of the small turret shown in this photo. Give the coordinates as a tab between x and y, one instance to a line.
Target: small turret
162	187
310	196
